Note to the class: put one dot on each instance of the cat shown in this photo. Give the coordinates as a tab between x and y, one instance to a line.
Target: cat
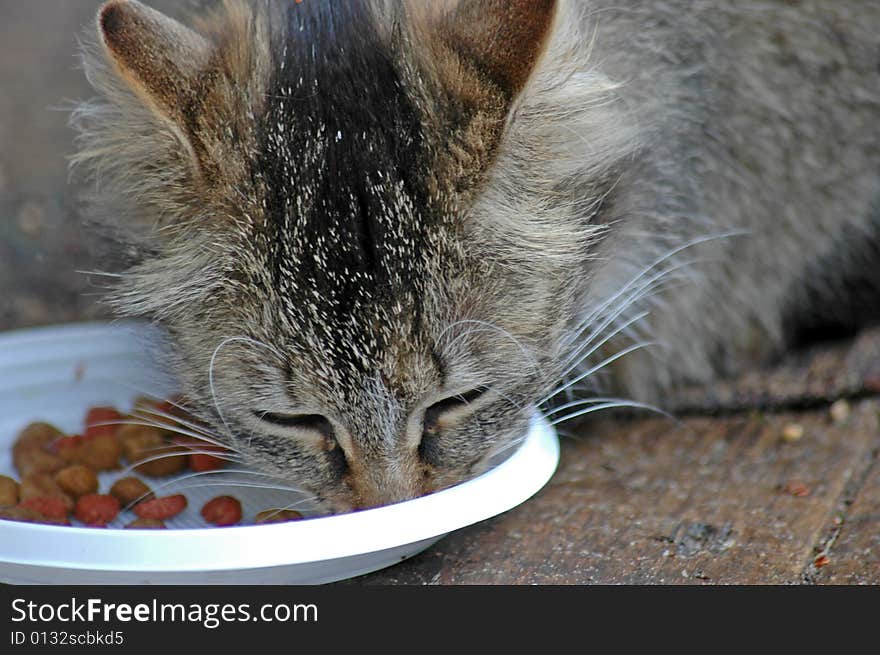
382	234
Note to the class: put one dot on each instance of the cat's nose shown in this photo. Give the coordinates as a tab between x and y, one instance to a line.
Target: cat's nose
378	488
378	497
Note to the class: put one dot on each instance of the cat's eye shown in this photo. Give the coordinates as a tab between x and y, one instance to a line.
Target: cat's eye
433	423
314	422
434	414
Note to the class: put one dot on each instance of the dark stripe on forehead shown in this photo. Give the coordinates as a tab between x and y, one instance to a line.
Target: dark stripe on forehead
344	164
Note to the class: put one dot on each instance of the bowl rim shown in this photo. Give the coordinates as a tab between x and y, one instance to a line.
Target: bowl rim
493	492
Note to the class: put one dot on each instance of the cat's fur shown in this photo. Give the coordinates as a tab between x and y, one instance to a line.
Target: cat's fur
350	213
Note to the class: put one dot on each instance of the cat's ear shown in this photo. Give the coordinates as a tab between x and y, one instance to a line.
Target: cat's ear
502	39
160	59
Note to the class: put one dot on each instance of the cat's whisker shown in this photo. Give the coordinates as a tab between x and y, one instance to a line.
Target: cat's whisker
175	482
275	511
145	422
614	405
580	403
100	273
199	429
486	460
657	262
599	366
164	449
573	362
661	280
133	466
144	410
578	355
169	483
648	286
211	379
239	484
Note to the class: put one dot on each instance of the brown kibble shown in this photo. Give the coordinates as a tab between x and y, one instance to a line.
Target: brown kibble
102	452
136	438
798	489
77	480
821	561
140	443
8	491
146	524
793	432
26	515
32	461
43	484
278	516
36	435
130	490
30	452
839	411
51	507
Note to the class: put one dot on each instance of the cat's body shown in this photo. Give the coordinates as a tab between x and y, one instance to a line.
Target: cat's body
380	238
754	116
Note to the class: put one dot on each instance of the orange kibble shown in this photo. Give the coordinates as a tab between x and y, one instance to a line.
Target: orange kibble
52	507
101	420
162	508
222	510
96	509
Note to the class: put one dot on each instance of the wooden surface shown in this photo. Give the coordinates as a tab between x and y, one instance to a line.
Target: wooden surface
720	497
731	499
710	501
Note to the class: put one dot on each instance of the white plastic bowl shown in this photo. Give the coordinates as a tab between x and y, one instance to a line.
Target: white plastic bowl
56	373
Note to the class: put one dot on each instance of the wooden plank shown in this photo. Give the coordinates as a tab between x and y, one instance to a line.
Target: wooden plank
705	501
852	549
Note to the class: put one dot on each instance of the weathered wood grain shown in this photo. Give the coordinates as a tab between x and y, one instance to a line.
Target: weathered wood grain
726	501
852	545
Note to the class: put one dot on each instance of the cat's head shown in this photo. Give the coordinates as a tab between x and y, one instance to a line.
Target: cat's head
365	224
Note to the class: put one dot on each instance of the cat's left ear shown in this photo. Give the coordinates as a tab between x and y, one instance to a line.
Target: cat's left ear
160	59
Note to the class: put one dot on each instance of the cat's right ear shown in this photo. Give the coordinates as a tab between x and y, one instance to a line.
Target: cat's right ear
161	60
500	40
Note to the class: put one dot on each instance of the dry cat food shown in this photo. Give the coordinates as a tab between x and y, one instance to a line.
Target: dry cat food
49	506
96	509
162	509
59	480
130	490
8	491
222	510
77	480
